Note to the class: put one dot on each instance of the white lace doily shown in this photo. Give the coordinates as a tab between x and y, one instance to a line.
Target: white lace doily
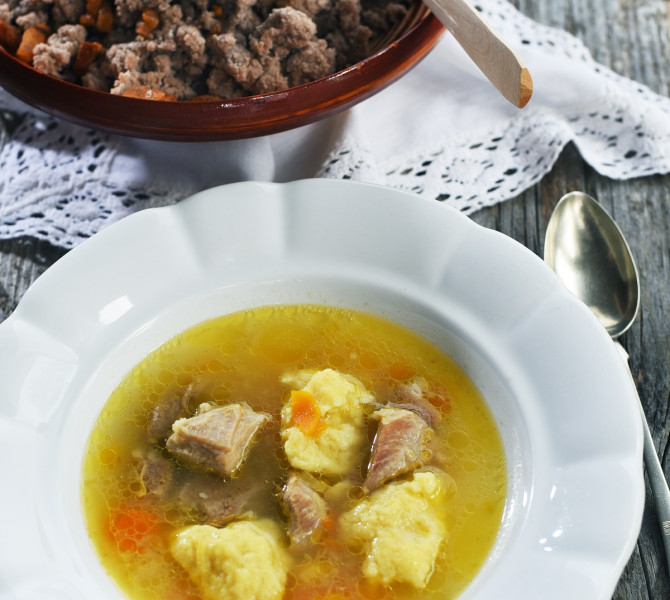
442	131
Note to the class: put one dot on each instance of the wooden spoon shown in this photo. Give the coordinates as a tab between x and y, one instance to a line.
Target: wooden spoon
503	68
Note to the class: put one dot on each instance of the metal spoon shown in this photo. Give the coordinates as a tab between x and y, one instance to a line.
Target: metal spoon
588	252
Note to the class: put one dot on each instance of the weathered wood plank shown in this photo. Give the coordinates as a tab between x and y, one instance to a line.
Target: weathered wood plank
21	261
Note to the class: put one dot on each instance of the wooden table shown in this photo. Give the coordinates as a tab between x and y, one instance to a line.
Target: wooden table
633	38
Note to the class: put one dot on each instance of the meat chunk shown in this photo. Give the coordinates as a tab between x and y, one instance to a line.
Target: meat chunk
400	446
414	395
219	501
283	51
306	509
67	11
167	412
217	439
155	473
287	41
59	50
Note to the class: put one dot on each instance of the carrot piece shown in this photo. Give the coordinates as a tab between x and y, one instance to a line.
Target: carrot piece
86	20
86	54
129	529
329	524
148	22
305	412
99	15
104	18
93	6
30	38
10	36
148	93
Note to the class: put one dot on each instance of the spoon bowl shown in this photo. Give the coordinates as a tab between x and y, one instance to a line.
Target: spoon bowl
590	255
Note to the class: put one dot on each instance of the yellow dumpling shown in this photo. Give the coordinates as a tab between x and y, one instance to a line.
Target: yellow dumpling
225	563
343	403
399	530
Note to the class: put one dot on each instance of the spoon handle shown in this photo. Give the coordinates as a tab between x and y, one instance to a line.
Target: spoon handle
501	65
657	480
659	487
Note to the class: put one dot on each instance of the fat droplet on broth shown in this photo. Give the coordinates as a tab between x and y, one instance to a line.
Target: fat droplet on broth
458	440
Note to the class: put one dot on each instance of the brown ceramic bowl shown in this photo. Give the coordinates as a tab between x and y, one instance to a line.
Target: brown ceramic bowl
227	119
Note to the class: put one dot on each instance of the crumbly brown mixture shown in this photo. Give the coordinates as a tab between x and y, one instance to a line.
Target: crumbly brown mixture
193	49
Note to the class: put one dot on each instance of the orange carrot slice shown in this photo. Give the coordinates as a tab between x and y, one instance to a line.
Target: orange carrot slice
305	412
130	529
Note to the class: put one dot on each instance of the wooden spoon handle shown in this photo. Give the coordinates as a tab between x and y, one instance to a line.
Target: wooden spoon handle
503	68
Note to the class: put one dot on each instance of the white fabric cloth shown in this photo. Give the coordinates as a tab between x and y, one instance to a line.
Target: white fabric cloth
442	131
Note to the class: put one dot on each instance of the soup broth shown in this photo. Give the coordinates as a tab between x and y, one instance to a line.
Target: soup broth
141	493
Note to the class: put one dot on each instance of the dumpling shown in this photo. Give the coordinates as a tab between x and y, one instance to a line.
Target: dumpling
333	443
399	529
225	563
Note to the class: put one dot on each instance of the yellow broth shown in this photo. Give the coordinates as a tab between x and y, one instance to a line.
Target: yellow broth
241	357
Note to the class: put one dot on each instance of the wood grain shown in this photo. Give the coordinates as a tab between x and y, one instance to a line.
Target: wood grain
489	51
633	38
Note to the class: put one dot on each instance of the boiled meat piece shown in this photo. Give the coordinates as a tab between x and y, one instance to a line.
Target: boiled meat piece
400	446
413	396
306	508
220	501
155	473
217	439
166	412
